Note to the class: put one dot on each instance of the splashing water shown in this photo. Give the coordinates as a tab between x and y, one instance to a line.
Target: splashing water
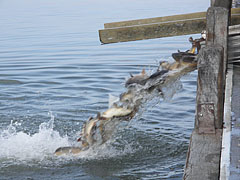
26	147
31	149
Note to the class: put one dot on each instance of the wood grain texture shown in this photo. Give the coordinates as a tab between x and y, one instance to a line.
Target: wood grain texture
151	31
210	87
234	44
203	158
234	12
226	135
217	30
222	3
158	27
235	136
156	20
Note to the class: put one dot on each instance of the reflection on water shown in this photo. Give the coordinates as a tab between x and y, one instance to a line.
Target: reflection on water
51	60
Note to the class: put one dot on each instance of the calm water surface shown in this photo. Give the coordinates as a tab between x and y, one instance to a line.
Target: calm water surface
54	74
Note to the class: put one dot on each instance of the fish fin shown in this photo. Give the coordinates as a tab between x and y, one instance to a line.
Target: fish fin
112	99
131	74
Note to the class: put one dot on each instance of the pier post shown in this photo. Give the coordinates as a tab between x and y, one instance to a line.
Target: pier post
212	61
203	158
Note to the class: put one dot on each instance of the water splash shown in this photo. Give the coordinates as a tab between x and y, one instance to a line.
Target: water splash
28	147
18	147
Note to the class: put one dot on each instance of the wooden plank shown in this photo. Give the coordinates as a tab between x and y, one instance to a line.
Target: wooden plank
206	138
155	30
203	158
235	19
217	31
210	89
151	31
234	12
235	137
234	44
226	136
222	3
234	30
156	20
234	54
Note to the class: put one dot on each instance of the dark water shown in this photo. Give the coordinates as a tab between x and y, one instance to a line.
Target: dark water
54	74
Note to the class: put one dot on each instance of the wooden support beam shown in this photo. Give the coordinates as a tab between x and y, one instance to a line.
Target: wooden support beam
203	160
203	157
212	62
222	3
151	31
209	111
157	27
217	32
180	17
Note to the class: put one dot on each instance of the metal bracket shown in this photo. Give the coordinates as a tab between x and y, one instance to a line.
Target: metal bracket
206	118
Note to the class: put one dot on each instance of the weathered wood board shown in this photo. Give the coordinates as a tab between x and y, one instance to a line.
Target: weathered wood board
203	158
209	112
180	17
217	33
234	44
158	27
235	135
226	136
151	31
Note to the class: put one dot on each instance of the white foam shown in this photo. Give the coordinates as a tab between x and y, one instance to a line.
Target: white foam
26	147
32	149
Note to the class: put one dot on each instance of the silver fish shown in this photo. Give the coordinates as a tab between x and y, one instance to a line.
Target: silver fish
67	150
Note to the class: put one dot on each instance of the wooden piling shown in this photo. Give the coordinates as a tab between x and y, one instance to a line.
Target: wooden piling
203	159
209	111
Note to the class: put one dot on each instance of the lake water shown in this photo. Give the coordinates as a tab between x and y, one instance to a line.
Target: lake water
55	74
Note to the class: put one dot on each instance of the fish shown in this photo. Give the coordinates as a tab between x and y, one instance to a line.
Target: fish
127	96
138	79
88	131
116	112
183	55
97	130
158	74
169	66
67	150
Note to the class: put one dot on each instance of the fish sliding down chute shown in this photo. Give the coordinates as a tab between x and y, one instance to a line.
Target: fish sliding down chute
97	130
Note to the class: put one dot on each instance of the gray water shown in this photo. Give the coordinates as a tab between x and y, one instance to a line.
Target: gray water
54	74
